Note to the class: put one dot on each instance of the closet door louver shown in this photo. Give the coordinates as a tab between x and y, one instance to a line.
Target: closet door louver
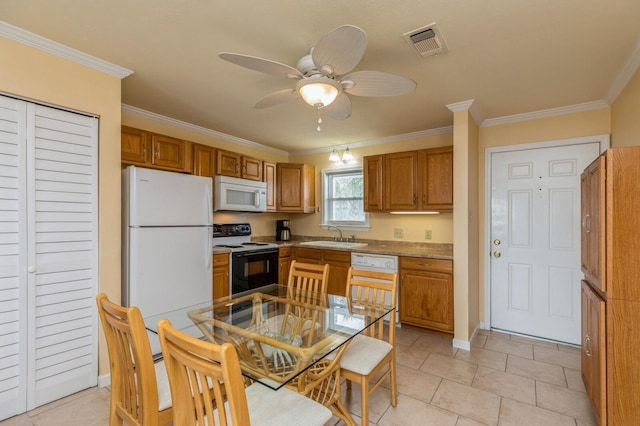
57	255
13	255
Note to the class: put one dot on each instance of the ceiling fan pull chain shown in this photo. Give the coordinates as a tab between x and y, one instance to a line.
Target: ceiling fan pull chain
319	120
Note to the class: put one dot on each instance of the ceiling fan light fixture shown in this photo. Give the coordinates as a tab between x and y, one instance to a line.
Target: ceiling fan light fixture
318	91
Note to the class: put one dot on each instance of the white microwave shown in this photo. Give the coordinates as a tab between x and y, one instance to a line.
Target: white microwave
234	194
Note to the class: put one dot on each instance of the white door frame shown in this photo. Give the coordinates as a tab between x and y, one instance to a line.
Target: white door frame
603	140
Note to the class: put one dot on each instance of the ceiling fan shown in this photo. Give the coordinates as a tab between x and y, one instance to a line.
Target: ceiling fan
322	76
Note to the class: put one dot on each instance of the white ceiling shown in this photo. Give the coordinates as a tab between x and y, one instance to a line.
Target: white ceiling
510	56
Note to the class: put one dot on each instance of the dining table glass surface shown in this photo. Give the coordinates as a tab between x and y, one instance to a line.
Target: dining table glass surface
278	331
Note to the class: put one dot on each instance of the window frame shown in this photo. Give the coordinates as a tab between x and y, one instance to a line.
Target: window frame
327	176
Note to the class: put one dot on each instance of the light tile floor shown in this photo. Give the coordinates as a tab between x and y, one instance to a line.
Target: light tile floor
503	380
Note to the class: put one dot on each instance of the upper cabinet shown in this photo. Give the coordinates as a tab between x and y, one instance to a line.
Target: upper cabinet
236	165
374	186
142	148
409	181
295	188
400	176
269	177
204	160
435	173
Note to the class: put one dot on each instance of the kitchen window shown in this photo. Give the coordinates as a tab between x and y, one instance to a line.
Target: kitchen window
343	198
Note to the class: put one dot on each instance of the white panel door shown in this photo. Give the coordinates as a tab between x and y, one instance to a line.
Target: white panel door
48	254
535	240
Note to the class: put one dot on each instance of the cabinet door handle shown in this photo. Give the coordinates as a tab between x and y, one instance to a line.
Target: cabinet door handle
415	198
585	223
424	199
587	343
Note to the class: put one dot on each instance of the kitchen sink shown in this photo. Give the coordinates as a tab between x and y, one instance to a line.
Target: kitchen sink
336	244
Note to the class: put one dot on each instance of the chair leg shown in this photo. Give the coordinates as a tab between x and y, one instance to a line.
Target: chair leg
394	384
364	401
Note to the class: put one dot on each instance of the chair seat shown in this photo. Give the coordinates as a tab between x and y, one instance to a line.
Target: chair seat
164	391
364	354
283	407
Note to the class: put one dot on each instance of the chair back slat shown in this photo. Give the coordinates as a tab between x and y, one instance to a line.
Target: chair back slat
308	277
202	375
133	379
374	289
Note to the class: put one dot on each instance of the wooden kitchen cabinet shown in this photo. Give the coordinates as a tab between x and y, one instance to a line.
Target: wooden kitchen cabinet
592	187
374	185
269	177
339	263
410	181
592	355
236	165
284	264
426	293
141	148
610	292
338	260
401	181
295	188
204	160
135	146
435	174
220	275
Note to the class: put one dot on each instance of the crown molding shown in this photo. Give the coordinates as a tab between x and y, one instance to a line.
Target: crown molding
551	112
388	139
467	106
198	129
623	77
30	39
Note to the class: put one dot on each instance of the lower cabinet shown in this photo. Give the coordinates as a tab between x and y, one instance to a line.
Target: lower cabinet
220	275
339	262
593	349
426	293
284	264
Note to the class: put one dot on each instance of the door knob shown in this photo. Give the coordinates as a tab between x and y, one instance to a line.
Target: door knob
497	254
496	242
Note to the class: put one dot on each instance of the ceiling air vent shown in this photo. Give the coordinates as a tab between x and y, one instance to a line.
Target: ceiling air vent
426	40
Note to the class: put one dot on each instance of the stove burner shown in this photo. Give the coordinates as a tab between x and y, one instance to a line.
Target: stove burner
229	246
254	244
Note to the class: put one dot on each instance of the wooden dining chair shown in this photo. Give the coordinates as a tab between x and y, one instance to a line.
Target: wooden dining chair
192	362
308	277
140	393
371	356
322	383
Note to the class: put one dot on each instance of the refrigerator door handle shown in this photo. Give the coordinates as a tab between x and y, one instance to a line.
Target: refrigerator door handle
210	206
209	249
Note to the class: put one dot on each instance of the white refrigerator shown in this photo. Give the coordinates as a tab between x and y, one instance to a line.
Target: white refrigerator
167	241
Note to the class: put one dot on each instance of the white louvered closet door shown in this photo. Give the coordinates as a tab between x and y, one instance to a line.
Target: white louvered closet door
47	286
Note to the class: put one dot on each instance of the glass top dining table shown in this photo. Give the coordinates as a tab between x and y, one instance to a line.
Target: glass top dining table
278	331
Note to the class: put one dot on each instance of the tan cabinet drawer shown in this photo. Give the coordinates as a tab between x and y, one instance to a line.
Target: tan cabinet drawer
421	263
284	252
220	259
337	256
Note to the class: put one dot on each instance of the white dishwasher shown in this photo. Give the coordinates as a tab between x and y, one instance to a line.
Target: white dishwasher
379	263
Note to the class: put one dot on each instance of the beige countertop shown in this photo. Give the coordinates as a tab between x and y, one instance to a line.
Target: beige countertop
395	248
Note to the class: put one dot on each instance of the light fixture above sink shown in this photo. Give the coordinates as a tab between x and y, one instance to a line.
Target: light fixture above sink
335	244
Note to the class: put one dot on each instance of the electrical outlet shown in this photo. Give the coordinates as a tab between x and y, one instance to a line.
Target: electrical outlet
398	233
427	234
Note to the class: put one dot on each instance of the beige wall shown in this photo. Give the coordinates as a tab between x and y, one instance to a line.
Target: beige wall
625	115
382	224
30	73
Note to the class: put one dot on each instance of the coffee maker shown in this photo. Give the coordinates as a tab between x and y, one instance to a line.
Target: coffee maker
283	233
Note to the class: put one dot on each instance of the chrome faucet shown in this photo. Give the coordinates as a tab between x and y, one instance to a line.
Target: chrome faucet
337	229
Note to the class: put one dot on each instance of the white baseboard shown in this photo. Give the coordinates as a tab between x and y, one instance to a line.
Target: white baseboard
104	380
462	344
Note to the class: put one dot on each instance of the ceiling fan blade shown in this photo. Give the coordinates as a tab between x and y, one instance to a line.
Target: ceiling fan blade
376	83
263	65
276	98
341	50
340	108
